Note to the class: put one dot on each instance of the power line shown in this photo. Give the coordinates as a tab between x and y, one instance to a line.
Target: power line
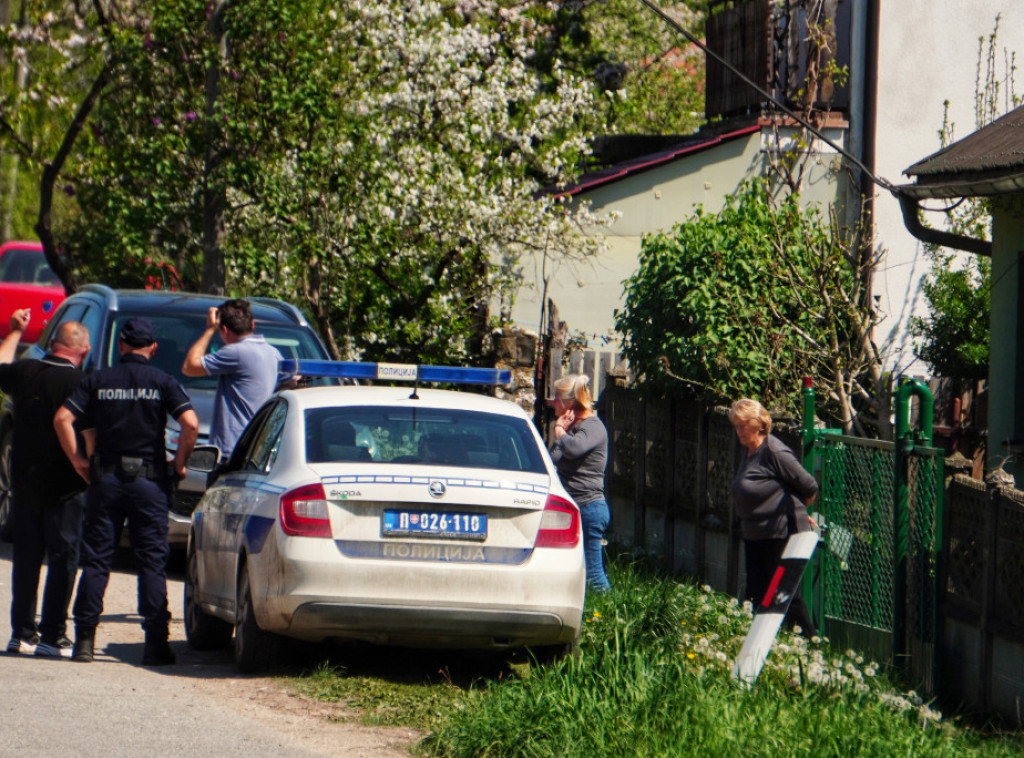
881	182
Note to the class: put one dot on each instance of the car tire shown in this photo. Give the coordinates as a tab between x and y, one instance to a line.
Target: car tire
255	649
203	631
6	487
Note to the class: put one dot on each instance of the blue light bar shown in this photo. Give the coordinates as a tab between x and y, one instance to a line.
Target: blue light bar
396	372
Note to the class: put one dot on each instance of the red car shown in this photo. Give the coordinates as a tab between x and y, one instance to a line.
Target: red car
27	281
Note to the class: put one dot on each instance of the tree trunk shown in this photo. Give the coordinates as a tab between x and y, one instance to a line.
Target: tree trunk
214	278
44	224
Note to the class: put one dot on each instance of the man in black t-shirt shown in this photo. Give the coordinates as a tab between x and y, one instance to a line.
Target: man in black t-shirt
122	411
47	491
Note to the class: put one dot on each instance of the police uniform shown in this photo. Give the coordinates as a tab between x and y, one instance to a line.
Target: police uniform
127	407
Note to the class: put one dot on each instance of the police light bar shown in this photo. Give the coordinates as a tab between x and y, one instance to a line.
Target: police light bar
396	372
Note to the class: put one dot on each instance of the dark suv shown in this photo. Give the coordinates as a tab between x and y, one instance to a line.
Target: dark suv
179	319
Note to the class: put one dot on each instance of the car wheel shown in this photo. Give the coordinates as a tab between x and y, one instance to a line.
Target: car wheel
255	649
6	501
203	631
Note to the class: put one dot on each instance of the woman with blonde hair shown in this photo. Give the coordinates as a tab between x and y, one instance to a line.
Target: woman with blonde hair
771	491
580	452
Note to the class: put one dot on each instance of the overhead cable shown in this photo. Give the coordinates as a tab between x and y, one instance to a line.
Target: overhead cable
881	182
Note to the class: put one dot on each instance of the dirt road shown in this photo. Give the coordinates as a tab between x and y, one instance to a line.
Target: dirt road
201	706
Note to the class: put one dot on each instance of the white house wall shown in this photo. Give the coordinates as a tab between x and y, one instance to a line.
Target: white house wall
587	294
928	52
1005	377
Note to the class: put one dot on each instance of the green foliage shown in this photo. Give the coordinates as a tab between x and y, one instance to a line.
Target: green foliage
653	677
953	339
380	164
731	302
650	78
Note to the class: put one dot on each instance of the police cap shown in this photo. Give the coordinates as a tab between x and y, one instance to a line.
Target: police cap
138	332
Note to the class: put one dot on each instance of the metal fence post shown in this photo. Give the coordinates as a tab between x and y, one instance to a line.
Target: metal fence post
811	590
905	441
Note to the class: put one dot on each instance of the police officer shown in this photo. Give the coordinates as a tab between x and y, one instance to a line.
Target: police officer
122	411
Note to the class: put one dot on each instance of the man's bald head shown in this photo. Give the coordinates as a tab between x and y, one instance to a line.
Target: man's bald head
71	341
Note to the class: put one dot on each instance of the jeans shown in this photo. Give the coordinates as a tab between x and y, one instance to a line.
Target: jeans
44	526
595	517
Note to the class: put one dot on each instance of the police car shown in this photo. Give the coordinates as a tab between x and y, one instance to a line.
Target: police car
389	514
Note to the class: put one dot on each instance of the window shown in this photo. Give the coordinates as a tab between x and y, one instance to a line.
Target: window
177	332
92	319
258	446
427	436
69	312
26	266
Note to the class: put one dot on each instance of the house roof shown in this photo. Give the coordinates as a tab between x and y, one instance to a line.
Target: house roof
652	160
988	162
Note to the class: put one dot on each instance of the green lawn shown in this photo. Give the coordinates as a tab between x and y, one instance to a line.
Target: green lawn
652	679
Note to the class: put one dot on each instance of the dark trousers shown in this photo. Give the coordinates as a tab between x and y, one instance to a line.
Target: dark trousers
144	503
50	527
762	558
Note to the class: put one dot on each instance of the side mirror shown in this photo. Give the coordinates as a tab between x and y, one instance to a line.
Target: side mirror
204	459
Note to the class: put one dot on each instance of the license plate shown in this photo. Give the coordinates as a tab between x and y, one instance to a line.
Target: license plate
463	526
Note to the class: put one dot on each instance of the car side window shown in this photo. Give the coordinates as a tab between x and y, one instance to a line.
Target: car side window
235	459
70	312
262	452
92	320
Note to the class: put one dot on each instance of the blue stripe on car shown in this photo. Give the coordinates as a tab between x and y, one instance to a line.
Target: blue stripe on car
256	530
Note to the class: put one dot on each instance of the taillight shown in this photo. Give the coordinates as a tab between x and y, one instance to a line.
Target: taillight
559	524
304	512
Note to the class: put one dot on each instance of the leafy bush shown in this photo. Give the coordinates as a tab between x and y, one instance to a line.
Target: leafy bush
744	302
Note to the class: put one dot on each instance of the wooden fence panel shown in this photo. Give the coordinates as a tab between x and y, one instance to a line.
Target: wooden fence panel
671	464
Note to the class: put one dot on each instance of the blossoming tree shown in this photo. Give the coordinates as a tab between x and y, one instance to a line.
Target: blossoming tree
382	164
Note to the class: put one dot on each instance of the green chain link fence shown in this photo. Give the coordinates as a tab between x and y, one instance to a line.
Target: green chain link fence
875	588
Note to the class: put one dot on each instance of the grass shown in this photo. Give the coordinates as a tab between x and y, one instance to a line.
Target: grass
653	679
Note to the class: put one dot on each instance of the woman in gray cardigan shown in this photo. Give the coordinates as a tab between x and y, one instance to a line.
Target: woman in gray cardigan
580	452
771	491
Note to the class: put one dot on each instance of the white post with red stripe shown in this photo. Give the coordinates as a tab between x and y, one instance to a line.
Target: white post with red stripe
769	614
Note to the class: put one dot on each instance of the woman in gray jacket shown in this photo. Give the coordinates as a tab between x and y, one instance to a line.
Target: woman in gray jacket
580	453
771	491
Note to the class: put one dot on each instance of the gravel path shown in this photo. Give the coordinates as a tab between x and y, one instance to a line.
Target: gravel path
201	706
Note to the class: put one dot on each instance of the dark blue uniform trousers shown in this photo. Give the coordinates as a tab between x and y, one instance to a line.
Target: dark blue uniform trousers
50	527
144	503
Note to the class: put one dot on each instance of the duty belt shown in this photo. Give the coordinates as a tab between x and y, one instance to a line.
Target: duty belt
135	467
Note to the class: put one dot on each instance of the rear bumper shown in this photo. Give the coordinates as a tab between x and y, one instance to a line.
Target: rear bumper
432	627
314	592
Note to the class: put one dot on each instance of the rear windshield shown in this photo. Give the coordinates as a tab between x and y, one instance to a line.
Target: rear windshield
25	266
421	436
177	332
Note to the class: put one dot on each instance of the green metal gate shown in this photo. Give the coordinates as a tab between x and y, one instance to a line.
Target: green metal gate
875	584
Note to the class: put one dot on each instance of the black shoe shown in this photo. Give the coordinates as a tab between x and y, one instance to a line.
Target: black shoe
158	654
82	652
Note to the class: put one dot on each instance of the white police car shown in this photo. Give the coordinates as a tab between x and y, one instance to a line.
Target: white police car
399	516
